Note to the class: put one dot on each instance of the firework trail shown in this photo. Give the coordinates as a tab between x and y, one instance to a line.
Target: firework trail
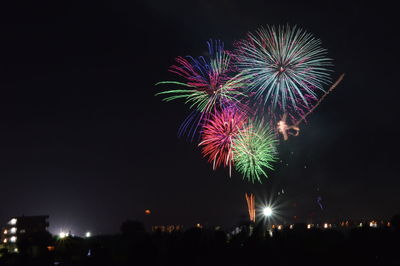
321	99
250	199
319	199
294	130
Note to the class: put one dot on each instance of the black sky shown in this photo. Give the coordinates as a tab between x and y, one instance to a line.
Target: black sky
84	139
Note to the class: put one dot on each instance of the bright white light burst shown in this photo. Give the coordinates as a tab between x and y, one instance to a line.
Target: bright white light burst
267	211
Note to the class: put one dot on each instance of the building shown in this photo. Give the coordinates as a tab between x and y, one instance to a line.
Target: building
167	228
22	227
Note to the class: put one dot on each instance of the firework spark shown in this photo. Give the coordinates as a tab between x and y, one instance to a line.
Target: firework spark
286	130
294	130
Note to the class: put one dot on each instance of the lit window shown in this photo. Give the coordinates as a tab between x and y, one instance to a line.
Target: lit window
13	230
13	221
13	239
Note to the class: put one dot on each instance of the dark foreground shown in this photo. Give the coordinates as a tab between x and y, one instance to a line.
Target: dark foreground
197	246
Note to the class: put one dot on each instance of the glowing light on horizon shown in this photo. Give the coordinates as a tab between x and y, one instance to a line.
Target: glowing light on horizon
63	234
267	211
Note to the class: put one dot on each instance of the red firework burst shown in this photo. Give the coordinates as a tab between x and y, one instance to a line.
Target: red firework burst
218	134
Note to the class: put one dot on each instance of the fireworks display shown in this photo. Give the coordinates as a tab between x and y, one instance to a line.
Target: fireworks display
241	101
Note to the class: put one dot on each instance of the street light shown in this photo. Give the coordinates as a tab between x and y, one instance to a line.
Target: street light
62	235
267	212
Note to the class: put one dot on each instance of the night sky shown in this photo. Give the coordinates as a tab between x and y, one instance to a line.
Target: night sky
84	140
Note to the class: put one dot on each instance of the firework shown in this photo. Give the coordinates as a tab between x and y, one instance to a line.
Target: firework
218	136
275	79
294	130
209	84
254	151
286	130
209	81
283	66
251	207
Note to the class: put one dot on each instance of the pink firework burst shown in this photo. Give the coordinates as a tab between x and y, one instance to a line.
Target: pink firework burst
218	134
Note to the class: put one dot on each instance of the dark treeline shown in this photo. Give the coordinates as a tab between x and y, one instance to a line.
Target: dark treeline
202	246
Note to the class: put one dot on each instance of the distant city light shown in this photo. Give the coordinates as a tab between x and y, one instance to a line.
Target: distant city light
13	221
5	232
325	225
5	240
13	239
13	230
88	234
63	235
147	212
267	211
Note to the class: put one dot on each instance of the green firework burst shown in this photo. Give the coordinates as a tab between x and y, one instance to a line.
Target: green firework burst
255	151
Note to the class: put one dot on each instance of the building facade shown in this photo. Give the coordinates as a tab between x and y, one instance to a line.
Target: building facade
22	227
